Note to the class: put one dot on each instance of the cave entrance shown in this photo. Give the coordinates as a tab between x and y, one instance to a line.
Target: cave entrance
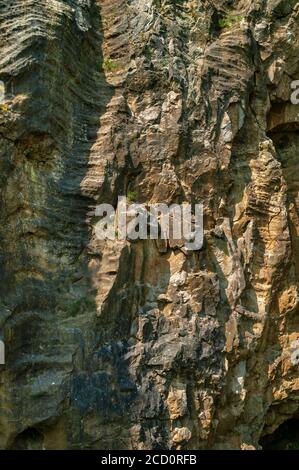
286	437
30	439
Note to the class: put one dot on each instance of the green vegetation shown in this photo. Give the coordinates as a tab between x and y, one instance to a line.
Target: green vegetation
164	61
3	108
229	21
110	65
132	195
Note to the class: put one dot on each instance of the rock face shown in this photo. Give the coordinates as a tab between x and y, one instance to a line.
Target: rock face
119	345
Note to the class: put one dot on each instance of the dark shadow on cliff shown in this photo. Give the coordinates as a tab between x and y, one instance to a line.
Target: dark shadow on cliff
51	327
286	437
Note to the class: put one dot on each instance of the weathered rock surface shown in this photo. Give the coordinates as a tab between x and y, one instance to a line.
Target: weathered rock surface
137	345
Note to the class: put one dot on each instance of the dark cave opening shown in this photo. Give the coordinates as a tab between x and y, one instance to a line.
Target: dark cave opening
286	437
29	439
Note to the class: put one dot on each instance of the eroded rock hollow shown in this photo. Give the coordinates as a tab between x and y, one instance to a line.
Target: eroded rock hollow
144	345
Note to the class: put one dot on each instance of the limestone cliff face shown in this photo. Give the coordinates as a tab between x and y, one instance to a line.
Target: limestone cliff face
143	345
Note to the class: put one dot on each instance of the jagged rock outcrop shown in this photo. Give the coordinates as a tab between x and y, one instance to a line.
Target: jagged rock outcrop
142	345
